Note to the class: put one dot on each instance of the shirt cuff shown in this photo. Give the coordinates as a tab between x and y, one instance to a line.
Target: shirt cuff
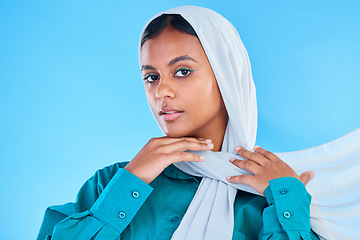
121	200
289	202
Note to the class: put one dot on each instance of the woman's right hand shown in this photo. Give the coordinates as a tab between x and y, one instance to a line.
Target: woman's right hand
158	153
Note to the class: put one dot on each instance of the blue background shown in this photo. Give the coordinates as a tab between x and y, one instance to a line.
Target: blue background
72	100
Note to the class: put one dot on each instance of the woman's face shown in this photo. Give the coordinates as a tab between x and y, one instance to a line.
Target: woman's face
181	87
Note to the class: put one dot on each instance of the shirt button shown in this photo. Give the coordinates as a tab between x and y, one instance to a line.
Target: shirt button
135	194
283	191
175	219
287	214
122	214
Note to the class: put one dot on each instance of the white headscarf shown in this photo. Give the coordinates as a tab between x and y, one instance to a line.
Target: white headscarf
335	207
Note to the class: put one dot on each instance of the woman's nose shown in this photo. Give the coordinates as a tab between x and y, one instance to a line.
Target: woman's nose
165	88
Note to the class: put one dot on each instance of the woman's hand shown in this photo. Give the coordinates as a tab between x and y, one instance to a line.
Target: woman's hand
264	166
160	152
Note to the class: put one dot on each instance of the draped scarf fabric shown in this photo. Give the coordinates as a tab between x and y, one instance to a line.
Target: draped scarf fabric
335	207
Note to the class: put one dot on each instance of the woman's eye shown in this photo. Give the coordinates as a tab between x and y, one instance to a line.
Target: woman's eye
183	72
150	78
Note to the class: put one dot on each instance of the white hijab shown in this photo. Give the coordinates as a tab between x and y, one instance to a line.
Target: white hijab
335	207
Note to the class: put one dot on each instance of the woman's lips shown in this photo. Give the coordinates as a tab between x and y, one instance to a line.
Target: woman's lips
170	116
169	113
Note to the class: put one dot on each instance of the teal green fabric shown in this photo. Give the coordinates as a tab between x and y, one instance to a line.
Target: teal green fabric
115	204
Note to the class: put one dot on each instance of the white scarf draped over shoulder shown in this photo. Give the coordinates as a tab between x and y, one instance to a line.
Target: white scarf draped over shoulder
335	206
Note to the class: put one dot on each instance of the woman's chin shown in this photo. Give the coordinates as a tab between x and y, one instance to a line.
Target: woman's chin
177	133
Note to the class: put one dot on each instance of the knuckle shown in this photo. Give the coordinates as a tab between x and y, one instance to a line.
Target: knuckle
260	150
248	154
267	153
246	163
182	155
273	156
253	154
238	178
244	154
240	163
186	144
194	157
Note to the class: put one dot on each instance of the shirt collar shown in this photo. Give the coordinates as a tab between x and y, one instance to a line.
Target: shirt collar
173	172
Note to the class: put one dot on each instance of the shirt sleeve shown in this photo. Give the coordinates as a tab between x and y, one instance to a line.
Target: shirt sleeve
288	213
104	207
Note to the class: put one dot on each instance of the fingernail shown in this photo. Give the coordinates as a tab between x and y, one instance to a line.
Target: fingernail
232	160
237	148
210	145
312	175
202	158
228	178
208	140
256	146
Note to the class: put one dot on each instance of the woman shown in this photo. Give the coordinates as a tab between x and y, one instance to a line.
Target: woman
199	87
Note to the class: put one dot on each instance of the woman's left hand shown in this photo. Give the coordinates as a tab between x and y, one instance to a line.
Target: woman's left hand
264	166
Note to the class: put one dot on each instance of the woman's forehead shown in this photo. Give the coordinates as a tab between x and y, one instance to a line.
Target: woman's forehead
171	44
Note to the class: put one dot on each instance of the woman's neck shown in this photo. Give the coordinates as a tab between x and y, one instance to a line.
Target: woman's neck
218	141
218	131
216	134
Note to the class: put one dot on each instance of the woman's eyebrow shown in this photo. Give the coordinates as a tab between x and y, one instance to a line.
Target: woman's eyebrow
172	62
147	67
181	58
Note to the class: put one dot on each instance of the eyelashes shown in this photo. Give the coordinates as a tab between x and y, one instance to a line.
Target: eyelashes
180	73
183	72
150	78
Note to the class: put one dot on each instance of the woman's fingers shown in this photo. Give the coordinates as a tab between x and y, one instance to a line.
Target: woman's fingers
243	179
269	155
187	145
306	177
158	153
249	180
252	156
186	157
249	166
264	166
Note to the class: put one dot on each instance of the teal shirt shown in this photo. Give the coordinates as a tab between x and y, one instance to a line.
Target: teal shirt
116	204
